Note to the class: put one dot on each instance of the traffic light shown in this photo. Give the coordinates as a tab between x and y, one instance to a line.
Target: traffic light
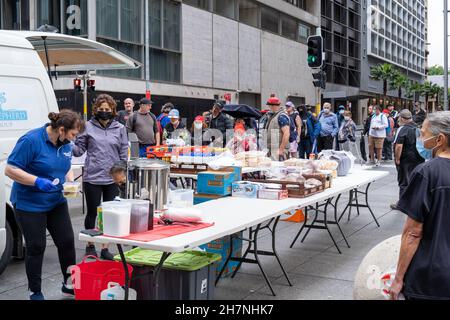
77	85
315	52
91	85
320	80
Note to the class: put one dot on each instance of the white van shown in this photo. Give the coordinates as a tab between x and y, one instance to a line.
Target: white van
27	97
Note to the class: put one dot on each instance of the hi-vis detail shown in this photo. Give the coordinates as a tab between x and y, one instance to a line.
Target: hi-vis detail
11	115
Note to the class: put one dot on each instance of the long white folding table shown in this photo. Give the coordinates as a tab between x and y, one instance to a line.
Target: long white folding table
232	215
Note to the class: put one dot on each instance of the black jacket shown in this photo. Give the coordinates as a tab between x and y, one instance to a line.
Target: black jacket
221	123
419	117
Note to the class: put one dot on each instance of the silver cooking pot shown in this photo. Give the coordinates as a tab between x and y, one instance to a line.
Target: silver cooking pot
148	179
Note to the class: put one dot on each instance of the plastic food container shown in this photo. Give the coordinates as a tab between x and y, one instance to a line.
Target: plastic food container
139	215
181	198
71	189
116	218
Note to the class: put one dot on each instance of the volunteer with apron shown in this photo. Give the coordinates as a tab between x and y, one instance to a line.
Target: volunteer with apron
39	165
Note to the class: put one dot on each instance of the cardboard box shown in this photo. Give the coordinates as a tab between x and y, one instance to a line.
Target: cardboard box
201	198
236	170
271	194
245	189
222	246
215	182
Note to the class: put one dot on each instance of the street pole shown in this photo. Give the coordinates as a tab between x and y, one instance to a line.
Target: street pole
147	51
446	55
85	96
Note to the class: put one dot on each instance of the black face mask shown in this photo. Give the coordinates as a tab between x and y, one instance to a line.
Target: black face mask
60	143
102	115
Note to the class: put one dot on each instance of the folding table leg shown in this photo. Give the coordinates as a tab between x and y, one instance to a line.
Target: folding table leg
312	224
368	206
337	222
230	255
245	254
325	221
301	229
259	262
275	250
157	272
127	276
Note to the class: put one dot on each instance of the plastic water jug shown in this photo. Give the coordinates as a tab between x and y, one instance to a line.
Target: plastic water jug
181	198
139	215
116	292
116	218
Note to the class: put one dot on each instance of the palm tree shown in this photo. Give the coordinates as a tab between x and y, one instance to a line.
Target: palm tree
399	82
429	89
412	88
383	72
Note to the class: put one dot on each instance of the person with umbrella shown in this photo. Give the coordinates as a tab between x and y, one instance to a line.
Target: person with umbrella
219	120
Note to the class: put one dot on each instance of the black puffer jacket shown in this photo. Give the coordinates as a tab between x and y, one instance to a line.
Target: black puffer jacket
221	123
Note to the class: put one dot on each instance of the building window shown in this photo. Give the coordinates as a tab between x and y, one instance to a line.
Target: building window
298	3
303	32
14	14
165	65
119	25
270	20
172	25
289	27
202	4
225	8
49	12
249	12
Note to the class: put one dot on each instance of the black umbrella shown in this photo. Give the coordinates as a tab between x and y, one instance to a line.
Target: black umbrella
241	111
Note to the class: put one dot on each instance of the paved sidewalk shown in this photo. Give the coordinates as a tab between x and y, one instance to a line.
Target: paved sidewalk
316	269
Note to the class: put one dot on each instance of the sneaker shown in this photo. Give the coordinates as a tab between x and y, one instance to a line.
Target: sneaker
377	164
106	255
67	291
37	296
394	206
90	251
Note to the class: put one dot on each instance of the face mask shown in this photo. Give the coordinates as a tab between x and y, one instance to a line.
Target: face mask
327	111
347	118
341	112
198	126
102	115
425	153
60	143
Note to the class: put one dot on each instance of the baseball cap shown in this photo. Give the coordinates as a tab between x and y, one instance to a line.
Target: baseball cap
145	101
174	114
219	104
273	101
199	118
405	114
289	104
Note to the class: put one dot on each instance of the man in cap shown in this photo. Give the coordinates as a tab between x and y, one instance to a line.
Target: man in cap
219	120
407	158
174	124
295	129
418	114
277	125
145	125
125	114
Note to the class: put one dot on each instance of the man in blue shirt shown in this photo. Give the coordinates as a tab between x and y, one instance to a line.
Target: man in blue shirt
329	128
38	166
309	133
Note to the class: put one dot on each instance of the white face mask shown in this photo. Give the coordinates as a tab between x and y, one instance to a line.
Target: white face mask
326	111
198	126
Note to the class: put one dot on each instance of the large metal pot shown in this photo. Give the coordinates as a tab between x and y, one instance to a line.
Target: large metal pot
148	179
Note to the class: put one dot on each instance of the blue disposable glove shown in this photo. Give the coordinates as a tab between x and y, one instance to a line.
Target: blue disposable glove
45	185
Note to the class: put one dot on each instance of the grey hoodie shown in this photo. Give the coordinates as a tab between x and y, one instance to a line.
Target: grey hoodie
104	147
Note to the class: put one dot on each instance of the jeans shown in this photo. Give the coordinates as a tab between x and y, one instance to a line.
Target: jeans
93	194
143	150
305	148
387	150
34	226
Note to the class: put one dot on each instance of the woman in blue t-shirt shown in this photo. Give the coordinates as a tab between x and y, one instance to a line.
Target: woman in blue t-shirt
39	166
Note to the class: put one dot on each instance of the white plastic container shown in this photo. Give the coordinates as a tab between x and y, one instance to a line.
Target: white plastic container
116	292
181	198
116	218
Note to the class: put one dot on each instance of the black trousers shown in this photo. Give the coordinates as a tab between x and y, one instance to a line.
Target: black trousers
94	195
387	149
305	148
325	143
34	226
404	171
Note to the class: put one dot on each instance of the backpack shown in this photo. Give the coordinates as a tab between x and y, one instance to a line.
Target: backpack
390	129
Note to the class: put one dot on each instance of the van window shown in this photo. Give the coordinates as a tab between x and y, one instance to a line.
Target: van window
23	105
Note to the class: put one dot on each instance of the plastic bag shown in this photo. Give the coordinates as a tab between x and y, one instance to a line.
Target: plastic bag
386	279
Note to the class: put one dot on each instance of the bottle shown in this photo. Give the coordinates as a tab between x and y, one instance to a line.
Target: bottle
100	218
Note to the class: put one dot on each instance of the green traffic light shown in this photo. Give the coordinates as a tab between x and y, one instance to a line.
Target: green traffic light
312	59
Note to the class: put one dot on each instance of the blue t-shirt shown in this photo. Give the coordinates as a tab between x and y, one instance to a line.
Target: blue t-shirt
37	155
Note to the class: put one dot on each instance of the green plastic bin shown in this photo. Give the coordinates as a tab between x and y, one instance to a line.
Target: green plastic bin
188	275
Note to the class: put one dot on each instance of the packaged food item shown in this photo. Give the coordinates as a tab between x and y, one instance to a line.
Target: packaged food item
272	194
312	183
71	189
